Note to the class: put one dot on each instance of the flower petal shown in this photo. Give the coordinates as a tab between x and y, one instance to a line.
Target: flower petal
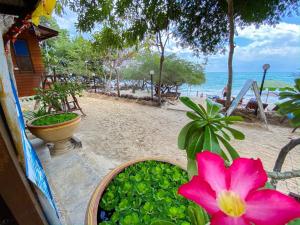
201	193
246	175
270	207
221	219
211	168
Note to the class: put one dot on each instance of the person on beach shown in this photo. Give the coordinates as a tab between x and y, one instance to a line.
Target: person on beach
224	92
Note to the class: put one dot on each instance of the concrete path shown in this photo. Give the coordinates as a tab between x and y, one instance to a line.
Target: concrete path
73	177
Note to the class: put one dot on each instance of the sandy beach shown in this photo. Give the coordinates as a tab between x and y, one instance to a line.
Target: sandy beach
125	130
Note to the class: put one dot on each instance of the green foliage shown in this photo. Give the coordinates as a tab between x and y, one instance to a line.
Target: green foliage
291	105
191	22
175	72
294	222
146	193
139	18
197	20
108	39
208	130
56	96
70	55
197	215
54	119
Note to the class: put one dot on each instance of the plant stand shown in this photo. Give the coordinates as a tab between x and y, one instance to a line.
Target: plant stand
61	147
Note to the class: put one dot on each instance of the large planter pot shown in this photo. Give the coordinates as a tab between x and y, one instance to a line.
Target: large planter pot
92	209
59	134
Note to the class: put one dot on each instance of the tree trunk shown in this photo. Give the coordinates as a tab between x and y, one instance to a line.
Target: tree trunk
118	83
283	153
281	157
231	51
109	82
162	58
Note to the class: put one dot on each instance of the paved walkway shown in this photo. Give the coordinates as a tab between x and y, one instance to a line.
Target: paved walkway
73	177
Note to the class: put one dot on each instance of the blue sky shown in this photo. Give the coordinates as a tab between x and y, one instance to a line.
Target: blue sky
277	45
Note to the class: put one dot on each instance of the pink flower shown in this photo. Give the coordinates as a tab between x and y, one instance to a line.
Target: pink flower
232	196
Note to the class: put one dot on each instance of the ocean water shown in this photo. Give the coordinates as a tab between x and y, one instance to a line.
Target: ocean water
216	81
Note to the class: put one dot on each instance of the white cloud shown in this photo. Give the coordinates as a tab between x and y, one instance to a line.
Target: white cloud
278	45
264	32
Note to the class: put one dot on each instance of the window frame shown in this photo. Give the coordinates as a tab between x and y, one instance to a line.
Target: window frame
29	57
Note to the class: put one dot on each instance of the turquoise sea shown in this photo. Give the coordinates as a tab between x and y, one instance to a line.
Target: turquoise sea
216	81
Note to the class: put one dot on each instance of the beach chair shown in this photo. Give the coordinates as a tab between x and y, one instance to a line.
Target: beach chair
252	104
223	101
171	95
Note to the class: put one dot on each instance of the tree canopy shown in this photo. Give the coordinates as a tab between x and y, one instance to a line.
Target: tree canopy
70	55
205	26
176	71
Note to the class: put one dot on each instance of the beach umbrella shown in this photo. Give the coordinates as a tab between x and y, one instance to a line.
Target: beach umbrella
276	85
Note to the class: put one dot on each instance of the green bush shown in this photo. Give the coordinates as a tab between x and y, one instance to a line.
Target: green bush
146	192
54	119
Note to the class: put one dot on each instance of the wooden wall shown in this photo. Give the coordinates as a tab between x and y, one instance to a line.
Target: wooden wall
27	81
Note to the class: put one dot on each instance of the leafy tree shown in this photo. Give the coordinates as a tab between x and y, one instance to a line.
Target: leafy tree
175	72
139	18
209	25
54	50
67	55
114	49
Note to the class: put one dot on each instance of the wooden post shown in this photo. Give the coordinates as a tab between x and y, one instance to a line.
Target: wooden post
15	188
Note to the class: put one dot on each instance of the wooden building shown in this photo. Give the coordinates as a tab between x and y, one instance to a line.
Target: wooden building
27	58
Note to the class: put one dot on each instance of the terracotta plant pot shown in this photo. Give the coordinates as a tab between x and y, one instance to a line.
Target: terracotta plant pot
59	134
92	209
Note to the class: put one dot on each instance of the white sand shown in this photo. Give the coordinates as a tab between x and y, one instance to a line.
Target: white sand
124	130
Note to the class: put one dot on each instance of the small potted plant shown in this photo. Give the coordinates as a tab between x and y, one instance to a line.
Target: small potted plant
53	122
55	128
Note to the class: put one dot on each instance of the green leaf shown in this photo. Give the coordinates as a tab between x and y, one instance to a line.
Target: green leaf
235	133
197	215
294	222
182	137
201	215
219	127
195	144
193	116
210	141
268	185
189	103
234	118
187	131
213	108
233	153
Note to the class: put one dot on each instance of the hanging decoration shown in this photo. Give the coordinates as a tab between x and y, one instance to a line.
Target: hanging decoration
44	9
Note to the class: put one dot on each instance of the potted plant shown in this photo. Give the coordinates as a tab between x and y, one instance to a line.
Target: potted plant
56	128
139	192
